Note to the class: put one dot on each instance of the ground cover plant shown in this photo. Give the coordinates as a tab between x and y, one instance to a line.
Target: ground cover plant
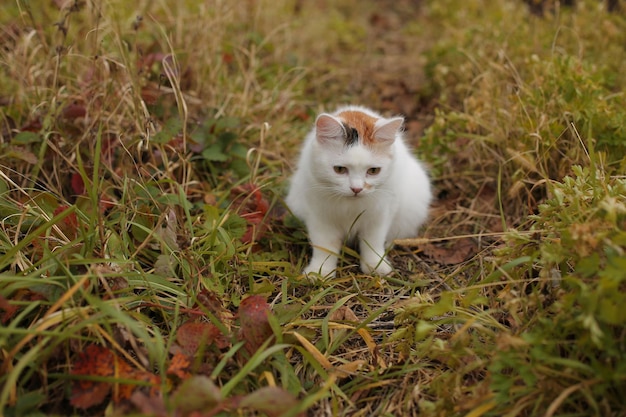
148	265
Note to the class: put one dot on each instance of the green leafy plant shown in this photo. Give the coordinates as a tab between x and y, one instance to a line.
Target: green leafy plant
574	347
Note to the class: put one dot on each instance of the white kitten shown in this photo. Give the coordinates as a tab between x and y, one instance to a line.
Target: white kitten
356	178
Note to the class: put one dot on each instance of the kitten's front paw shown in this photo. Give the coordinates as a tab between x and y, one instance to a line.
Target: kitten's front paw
380	267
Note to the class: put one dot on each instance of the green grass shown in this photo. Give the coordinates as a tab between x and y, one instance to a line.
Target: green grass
144	156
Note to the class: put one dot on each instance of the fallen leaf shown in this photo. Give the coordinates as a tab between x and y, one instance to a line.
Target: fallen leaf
167	232
254	324
21	153
69	225
109	141
273	401
459	251
148	60
78	186
486	198
9	309
348	369
179	366
150	94
33	125
94	361
227	58
213	303
149	404
191	335
345	313
252	206
86	394
74	111
198	393
98	361
145	378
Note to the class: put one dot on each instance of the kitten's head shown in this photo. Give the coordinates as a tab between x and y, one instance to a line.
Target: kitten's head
354	151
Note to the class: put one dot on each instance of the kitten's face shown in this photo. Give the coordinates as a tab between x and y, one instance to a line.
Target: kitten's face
354	152
357	171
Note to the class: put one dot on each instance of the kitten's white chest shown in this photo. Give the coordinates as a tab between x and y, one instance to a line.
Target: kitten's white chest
352	215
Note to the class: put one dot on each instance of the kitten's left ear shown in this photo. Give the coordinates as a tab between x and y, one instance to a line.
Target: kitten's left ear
385	130
329	128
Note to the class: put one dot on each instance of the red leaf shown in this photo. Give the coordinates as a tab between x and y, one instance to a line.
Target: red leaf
109	140
150	94
301	114
179	366
69	227
149	59
227	58
78	186
9	309
33	125
126	390
191	335
22	297
106	204
86	394
71	221
100	361
253	319
253	207
93	361
74	111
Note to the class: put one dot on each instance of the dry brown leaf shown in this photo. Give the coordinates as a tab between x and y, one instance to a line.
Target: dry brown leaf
345	313
96	361
8	308
100	361
212	302
179	366
348	369
459	251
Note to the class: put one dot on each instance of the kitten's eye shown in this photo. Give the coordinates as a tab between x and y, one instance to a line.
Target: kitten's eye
373	171
340	170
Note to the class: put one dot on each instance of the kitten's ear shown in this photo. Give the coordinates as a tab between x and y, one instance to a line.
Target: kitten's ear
385	130
328	128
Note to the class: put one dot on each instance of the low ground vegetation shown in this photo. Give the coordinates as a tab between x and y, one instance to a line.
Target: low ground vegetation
148	265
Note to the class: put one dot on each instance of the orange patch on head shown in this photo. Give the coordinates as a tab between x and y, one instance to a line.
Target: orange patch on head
363	123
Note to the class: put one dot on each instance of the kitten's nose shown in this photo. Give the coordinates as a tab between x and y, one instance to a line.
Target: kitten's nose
356	190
